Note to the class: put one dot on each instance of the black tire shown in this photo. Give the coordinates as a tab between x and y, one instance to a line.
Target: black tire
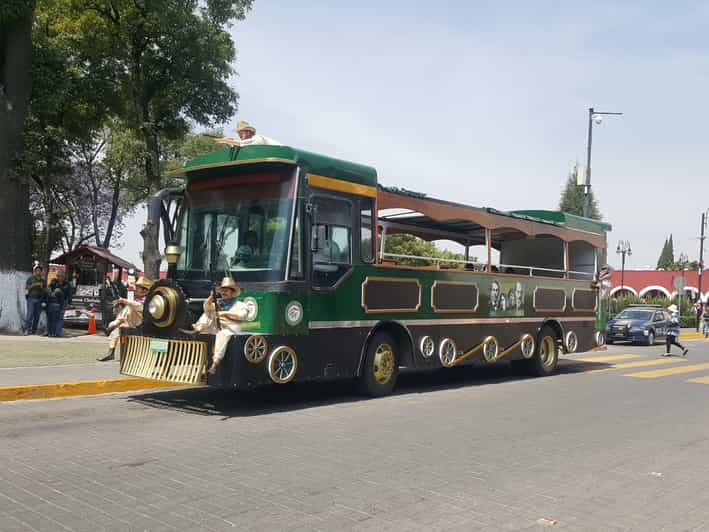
381	366
651	338
546	353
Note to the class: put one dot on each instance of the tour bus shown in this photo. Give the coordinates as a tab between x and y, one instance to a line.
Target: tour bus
326	298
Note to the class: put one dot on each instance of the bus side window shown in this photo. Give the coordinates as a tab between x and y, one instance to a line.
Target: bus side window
366	241
333	257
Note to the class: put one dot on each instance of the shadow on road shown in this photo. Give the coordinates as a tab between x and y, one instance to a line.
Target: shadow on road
298	396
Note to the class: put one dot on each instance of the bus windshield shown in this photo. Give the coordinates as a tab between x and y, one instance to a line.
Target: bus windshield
239	226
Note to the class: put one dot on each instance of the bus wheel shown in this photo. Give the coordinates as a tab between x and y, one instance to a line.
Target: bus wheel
381	366
546	355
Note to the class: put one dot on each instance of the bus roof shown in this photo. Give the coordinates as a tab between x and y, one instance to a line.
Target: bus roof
312	163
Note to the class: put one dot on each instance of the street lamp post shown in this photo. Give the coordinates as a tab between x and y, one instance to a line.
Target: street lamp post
623	249
594	117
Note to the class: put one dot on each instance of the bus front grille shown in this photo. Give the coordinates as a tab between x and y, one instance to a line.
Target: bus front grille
184	361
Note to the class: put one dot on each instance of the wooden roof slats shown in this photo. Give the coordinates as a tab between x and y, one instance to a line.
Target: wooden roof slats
447	215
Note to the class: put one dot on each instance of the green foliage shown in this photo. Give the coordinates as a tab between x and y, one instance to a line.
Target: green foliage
404	244
572	198
619	303
12	10
666	261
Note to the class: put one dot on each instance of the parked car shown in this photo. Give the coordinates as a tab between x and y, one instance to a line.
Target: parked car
638	325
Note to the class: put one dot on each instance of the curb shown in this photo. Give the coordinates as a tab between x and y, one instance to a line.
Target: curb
71	389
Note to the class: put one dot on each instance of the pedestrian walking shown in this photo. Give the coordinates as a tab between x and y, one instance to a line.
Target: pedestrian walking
35	297
673	332
63	299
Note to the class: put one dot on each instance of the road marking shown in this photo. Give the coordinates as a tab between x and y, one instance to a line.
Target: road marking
644	363
607	358
654	374
700	380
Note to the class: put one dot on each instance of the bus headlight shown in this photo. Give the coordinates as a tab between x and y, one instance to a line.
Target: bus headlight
156	307
162	306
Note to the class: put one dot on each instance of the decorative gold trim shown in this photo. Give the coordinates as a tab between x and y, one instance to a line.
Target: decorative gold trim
272	361
487	341
339	185
455	311
566	341
255	348
534	345
181	172
391	279
595	300
469	353
184	361
446	342
171	297
534	300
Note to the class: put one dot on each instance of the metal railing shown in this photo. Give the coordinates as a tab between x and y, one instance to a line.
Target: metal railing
529	269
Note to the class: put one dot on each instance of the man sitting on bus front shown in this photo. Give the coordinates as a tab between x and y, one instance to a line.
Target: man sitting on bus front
247	136
231	313
131	315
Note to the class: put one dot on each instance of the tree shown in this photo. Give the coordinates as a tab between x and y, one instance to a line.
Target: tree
16	18
170	62
572	199
15	84
404	244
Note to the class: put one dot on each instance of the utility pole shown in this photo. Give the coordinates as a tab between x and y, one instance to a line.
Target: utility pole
701	259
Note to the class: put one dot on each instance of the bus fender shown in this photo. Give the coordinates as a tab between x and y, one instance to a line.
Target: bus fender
557	327
403	338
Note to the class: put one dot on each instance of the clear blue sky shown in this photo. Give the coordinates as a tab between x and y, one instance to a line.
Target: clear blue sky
486	102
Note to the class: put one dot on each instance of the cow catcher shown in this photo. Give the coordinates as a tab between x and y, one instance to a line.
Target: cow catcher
304	236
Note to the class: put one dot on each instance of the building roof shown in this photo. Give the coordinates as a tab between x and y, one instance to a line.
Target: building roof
95	251
312	163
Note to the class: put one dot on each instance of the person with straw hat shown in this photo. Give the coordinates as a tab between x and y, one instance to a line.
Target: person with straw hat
673	332
247	136
222	318
131	315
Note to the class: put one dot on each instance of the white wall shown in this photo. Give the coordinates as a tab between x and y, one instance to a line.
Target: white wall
13	306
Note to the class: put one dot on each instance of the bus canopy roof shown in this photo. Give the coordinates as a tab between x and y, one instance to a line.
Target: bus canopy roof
431	219
311	163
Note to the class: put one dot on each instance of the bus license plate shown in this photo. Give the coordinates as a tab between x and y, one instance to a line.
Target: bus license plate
158	346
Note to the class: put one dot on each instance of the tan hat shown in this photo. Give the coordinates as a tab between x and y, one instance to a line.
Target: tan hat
144	283
228	282
243	125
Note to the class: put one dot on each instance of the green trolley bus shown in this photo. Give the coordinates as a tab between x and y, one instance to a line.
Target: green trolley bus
305	236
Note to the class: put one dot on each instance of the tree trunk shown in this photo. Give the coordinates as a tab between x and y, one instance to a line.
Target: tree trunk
150	232
16	227
15	85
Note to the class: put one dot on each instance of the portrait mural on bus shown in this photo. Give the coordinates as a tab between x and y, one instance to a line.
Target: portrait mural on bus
506	297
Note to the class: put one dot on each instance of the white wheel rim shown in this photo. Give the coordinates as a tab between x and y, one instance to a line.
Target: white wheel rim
447	352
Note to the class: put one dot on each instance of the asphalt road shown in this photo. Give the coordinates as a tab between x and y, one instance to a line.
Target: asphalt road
619	442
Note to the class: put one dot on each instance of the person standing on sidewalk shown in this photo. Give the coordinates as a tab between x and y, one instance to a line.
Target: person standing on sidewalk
131	315
35	296
59	282
673	332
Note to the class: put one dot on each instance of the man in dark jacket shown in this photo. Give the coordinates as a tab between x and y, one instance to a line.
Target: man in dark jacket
60	292
35	294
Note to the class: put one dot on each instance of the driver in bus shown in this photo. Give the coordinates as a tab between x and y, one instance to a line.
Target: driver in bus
231	313
131	315
247	249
